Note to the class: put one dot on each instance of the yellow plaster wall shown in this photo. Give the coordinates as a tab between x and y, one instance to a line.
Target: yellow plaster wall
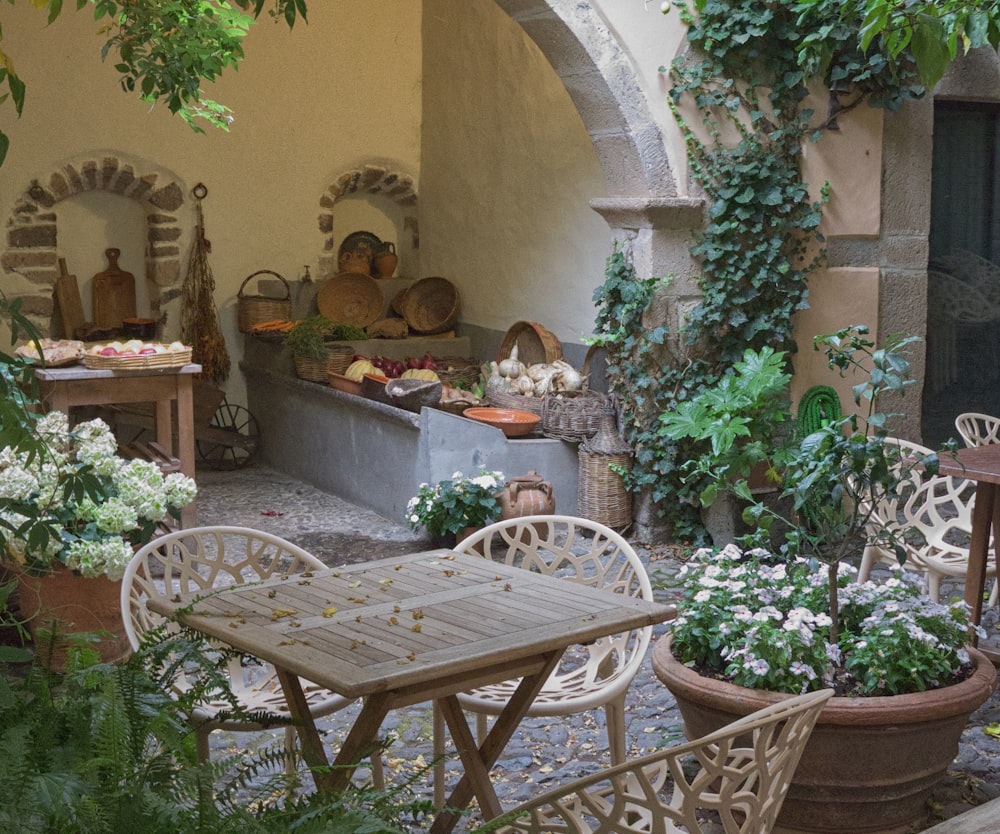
837	298
850	159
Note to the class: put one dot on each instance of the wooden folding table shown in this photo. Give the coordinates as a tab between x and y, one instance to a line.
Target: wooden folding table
414	628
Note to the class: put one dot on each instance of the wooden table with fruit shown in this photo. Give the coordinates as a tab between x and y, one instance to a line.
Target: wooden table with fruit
162	376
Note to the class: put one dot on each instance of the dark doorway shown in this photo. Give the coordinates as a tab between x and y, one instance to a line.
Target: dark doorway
963	279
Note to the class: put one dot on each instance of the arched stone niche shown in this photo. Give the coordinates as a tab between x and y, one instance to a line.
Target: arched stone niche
374	180
31	245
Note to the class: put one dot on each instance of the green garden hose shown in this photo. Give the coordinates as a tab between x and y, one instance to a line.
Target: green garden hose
819	406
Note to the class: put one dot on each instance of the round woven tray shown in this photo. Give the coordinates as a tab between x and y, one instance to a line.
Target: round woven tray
431	305
351	298
534	343
253	309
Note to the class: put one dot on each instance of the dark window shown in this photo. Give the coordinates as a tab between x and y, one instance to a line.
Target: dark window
963	281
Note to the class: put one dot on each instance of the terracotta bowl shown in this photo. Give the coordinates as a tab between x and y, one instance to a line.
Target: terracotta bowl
511	422
342	383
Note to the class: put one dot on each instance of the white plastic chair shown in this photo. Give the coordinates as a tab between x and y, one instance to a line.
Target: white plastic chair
932	518
978	429
742	787
198	560
587	677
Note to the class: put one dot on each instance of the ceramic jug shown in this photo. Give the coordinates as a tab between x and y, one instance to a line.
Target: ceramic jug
527	495
386	261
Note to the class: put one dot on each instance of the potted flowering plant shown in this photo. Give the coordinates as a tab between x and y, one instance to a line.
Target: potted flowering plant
755	625
71	509
456	504
51	516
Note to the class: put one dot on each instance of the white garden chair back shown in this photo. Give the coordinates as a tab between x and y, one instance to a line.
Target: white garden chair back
196	561
737	777
978	429
596	675
932	519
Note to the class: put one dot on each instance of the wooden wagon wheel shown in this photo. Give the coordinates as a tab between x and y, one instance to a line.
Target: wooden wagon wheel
231	438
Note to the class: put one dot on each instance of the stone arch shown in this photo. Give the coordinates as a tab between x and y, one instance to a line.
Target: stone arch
374	179
602	83
31	246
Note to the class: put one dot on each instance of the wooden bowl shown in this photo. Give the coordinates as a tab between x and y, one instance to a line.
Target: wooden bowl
511	422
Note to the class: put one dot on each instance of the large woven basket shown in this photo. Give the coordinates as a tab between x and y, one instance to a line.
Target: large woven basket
575	415
351	298
318	370
519	402
534	343
254	309
601	493
431	305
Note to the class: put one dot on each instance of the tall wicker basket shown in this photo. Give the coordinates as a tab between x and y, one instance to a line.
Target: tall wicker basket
254	309
601	493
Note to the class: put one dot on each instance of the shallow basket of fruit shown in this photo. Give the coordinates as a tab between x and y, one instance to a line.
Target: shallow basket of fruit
136	355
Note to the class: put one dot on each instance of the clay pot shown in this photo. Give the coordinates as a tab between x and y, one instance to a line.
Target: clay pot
527	495
62	605
386	261
870	763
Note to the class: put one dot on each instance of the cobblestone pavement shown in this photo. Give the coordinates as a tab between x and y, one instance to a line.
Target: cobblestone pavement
545	752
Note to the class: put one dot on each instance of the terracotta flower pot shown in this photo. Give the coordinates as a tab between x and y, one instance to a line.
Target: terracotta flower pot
870	762
63	603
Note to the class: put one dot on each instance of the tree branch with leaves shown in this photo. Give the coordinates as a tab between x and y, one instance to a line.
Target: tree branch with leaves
164	50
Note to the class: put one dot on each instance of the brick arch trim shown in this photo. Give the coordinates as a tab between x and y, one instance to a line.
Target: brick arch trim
32	227
373	179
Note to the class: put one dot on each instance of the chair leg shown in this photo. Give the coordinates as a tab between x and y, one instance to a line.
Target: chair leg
291	750
868	560
614	717
934	585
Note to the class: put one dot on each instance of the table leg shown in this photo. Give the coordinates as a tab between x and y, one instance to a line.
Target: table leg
361	741
985	518
312	745
478	760
185	440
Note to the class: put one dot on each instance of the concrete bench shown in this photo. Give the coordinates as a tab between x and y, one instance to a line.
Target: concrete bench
983	819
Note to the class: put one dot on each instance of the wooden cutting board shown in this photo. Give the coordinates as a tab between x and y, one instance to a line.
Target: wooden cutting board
114	293
68	299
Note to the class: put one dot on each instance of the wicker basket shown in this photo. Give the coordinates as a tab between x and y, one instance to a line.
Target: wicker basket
340	358
534	343
601	493
460	371
351	298
575	415
253	309
172	359
431	305
310	368
502	399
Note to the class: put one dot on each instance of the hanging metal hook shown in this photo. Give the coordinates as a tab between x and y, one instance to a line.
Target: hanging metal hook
199	191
